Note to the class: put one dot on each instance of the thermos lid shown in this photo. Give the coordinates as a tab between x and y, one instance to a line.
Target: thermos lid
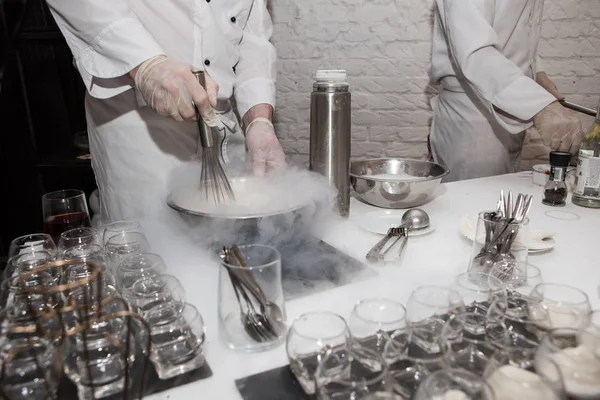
331	75
560	159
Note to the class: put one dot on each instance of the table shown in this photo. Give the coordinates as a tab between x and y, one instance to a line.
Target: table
432	259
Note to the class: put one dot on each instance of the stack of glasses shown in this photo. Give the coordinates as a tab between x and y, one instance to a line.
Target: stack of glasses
94	307
478	338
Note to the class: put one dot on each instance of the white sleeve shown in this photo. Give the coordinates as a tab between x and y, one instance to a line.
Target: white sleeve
256	71
107	41
473	47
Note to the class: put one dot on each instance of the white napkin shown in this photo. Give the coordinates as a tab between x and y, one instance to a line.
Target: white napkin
538	239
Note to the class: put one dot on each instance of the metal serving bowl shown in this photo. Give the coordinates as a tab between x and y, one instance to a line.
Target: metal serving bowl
395	193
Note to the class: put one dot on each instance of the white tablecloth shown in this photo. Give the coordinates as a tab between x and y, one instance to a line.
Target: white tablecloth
432	259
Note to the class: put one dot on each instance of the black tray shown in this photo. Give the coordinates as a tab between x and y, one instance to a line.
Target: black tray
281	384
153	384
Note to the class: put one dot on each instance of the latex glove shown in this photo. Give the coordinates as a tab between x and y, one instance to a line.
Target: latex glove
544	81
264	149
171	90
559	128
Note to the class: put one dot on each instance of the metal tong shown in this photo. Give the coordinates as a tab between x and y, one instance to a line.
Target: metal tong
263	322
400	234
578	108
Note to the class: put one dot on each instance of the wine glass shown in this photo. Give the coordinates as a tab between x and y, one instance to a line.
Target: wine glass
454	384
427	310
32	243
565	306
510	380
464	344
579	368
310	338
64	210
124	245
373	321
77	237
119	228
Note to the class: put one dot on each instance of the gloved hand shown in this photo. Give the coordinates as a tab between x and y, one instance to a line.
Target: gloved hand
544	81
264	149
171	90
559	128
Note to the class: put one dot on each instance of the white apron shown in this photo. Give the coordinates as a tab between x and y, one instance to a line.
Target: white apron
469	141
484	56
134	153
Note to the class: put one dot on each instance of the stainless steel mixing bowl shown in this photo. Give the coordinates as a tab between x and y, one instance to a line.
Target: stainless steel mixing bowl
387	192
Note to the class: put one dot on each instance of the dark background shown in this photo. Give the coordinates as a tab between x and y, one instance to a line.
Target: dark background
41	108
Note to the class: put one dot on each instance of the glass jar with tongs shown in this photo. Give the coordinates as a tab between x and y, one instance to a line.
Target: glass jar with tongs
501	238
251	305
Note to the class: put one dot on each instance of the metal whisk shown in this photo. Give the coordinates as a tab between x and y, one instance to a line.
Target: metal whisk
213	178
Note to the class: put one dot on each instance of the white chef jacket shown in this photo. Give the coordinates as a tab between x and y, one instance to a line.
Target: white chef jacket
227	38
135	152
484	55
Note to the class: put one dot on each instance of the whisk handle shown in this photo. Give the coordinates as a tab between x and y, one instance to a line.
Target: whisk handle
206	136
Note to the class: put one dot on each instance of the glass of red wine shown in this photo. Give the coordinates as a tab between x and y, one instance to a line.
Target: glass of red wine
64	210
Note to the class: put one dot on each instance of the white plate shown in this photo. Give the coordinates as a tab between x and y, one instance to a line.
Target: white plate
380	221
539	241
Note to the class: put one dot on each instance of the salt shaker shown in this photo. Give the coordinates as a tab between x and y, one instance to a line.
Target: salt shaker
555	190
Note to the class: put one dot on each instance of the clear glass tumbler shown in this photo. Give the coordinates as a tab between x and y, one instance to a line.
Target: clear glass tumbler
499	244
251	306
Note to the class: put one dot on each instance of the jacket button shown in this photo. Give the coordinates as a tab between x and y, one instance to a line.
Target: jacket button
208	1
233	19
207	62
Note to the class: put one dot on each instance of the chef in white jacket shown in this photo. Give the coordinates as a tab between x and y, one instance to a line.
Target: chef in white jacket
484	56
136	59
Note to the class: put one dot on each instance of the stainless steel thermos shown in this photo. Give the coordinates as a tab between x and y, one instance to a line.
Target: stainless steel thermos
330	133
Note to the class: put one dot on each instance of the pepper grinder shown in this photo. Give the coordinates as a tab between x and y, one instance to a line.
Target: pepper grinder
555	190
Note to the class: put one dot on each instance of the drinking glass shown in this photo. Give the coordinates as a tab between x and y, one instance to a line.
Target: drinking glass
64	210
32	243
478	290
564	306
135	267
177	344
25	262
510	254
464	344
427	310
454	384
373	321
589	334
151	294
579	369
522	283
510	381
96	361
361	375
119	228
310	338
126	244
27	369
78	237
14	297
250	304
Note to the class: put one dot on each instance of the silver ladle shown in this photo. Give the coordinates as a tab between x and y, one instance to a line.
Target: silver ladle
414	219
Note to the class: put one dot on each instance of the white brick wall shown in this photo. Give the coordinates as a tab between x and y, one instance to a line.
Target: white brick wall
385	47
